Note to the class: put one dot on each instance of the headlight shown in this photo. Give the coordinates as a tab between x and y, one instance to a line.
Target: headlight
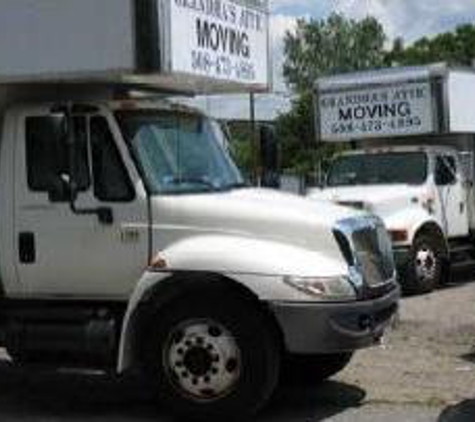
336	289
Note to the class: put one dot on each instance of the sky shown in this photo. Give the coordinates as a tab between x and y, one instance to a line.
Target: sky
409	19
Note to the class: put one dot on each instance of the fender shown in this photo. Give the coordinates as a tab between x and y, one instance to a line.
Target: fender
154	291
255	267
411	219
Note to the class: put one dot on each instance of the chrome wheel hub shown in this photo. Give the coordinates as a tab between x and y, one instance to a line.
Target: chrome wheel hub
426	264
203	359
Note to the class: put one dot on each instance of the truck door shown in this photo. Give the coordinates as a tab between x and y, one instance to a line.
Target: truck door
62	253
451	195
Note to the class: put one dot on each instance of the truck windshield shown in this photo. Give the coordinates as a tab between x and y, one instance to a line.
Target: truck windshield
179	152
379	169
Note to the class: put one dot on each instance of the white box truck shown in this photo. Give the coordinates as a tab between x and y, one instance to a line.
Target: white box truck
128	240
412	132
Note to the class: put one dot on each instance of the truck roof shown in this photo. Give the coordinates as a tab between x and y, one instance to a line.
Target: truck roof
400	148
399	102
386	76
180	46
124	104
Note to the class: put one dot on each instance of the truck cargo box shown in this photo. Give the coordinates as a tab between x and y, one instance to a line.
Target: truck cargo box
396	102
178	45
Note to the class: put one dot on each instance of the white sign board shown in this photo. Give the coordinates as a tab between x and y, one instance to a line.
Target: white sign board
220	39
395	110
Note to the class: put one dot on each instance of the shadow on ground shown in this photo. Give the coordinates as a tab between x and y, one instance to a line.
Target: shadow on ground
461	412
302	403
33	395
460	277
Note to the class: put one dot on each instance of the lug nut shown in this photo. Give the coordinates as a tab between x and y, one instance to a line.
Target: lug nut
231	365
214	331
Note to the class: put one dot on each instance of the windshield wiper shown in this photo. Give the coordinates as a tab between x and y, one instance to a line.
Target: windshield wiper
195	180
236	185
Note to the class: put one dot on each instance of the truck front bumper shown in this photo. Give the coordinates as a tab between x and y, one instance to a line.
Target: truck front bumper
314	328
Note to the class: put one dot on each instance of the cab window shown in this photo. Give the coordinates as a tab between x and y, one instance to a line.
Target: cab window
47	154
111	182
47	158
445	171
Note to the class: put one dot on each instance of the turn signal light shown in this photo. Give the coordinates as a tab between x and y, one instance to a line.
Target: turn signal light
157	263
399	235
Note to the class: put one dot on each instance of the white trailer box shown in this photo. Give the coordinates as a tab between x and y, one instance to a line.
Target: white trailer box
396	102
178	45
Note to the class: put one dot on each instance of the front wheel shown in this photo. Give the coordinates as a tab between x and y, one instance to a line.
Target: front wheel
212	357
424	269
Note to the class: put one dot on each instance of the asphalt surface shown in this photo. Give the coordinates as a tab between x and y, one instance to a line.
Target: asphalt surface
424	372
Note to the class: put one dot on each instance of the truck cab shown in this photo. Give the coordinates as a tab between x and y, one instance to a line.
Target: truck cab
418	192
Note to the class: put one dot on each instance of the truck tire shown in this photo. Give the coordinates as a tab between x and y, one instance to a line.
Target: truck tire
424	268
212	357
309	369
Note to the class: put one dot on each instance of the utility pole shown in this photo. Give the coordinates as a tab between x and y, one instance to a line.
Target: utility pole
254	140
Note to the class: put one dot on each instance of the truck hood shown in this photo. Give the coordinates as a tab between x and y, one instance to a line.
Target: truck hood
381	199
250	213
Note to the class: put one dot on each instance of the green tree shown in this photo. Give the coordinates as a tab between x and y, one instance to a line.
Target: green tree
457	48
318	48
334	45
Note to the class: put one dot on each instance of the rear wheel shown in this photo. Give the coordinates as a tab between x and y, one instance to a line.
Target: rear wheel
424	269
212	357
307	369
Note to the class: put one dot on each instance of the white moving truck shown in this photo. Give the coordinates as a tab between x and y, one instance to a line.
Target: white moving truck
127	237
413	137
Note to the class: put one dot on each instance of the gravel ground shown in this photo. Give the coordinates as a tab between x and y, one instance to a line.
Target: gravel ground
428	359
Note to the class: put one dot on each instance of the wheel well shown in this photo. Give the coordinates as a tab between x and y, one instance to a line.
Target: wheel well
433	230
177	286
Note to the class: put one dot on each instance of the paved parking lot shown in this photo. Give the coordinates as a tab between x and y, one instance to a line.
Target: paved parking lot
425	371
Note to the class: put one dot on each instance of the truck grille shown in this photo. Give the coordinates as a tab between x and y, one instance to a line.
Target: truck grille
366	246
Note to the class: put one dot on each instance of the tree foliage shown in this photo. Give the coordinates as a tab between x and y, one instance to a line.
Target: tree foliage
315	49
334	45
456	48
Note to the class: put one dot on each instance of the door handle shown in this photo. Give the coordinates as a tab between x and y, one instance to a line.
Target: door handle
27	248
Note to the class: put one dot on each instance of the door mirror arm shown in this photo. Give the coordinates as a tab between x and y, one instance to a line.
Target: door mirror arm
104	214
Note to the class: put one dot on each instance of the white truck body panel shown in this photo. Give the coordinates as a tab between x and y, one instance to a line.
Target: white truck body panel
172	45
68	37
461	98
97	261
